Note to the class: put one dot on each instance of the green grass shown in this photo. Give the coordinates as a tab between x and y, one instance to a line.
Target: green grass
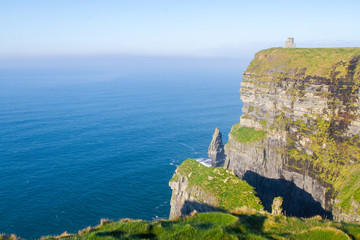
228	190
218	225
309	61
322	234
348	185
248	135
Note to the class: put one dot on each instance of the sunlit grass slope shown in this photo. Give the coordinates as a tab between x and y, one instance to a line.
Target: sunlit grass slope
221	226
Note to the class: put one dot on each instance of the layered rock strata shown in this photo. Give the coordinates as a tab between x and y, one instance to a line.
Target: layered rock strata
298	135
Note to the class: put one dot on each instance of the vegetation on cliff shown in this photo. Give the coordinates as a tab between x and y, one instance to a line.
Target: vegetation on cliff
218	225
335	159
228	190
246	134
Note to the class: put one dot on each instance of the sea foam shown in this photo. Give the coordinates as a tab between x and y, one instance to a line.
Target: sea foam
204	161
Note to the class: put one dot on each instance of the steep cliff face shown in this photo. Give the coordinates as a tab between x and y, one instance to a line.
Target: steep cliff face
298	136
185	199
196	187
216	150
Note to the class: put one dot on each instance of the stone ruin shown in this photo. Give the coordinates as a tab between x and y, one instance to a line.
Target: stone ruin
289	43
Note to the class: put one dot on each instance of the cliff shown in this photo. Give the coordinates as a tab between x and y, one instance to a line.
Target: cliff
298	135
203	189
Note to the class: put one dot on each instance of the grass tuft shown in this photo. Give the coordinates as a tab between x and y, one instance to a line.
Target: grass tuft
247	135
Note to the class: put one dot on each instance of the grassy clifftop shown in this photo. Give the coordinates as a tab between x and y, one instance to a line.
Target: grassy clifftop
303	61
229	191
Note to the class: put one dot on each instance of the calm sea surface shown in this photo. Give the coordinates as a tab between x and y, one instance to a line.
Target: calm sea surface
86	142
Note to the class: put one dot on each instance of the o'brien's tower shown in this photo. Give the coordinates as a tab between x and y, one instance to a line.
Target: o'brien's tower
289	43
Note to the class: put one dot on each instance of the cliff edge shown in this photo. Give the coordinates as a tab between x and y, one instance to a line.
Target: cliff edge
203	189
298	135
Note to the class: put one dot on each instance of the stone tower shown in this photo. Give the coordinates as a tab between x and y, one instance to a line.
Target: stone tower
289	43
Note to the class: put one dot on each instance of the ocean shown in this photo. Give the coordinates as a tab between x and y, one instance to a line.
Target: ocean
82	140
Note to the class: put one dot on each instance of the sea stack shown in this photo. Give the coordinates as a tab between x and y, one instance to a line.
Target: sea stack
216	150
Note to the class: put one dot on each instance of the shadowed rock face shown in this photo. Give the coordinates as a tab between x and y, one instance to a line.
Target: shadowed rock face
190	206
216	150
261	165
296	201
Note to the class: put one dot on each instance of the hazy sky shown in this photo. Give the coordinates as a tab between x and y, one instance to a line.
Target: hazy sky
169	27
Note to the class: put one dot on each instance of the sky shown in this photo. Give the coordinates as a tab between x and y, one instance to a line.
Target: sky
199	28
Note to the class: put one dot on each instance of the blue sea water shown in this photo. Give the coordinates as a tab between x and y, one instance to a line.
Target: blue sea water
83	142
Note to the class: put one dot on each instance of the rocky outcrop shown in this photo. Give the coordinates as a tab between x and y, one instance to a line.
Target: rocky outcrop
202	189
276	208
298	135
184	200
261	164
216	150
